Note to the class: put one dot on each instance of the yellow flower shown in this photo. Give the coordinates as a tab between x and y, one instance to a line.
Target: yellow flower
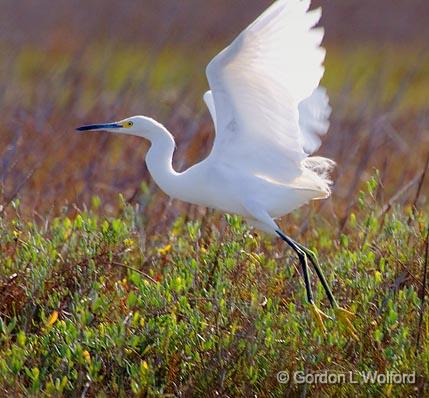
164	250
388	390
378	276
53	318
87	356
129	243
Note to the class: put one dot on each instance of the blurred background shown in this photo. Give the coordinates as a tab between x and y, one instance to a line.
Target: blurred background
71	62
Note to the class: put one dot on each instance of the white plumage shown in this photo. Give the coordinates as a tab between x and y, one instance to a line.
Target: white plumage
314	115
268	112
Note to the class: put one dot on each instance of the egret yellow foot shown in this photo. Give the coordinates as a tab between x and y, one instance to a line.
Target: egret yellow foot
319	316
345	319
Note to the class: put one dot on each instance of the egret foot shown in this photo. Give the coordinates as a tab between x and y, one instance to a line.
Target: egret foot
319	316
345	318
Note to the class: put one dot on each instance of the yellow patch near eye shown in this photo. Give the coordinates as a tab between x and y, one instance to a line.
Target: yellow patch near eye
128	124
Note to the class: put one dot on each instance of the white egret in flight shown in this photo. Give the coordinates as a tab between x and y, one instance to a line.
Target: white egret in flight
269	113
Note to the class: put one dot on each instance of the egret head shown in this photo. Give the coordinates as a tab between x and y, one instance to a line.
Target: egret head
137	125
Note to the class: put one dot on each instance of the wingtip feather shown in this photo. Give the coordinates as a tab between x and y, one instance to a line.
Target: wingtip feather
306	4
315	15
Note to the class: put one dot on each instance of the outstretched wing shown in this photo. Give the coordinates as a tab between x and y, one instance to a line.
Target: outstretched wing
257	84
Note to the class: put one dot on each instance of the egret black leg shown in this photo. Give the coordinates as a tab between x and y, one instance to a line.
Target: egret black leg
313	259
344	316
302	255
318	315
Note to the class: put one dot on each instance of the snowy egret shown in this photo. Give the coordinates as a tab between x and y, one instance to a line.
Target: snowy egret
269	113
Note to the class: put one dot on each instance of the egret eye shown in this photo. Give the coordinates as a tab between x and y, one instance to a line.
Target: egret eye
128	124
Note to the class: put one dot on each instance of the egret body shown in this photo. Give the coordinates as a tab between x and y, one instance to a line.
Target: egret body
269	113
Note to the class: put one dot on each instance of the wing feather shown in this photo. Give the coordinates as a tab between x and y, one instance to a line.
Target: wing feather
314	115
258	82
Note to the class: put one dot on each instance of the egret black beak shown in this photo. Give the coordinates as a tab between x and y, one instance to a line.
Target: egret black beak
95	127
